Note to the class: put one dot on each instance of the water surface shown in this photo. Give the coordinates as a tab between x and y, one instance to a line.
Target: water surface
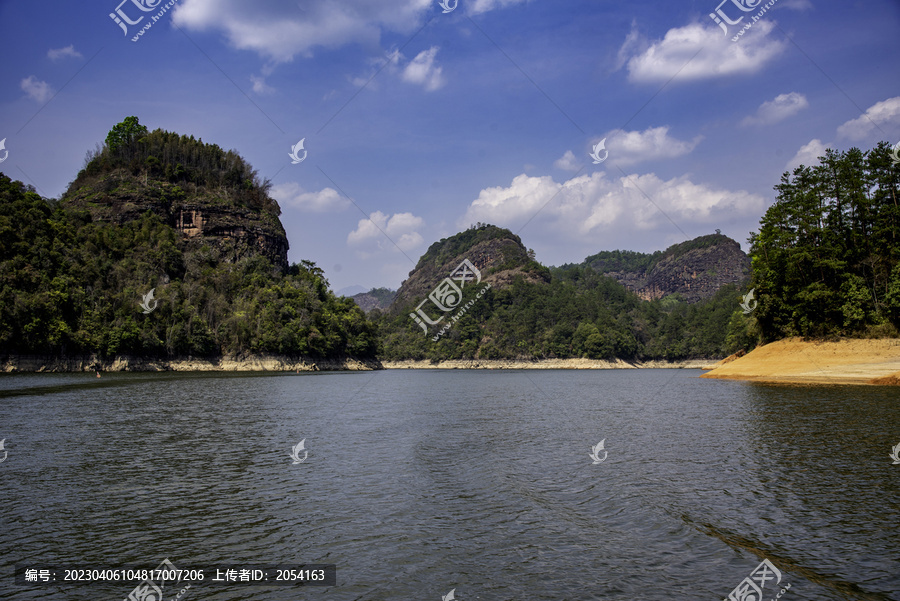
418	482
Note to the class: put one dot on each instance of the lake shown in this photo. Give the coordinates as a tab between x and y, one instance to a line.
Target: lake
419	482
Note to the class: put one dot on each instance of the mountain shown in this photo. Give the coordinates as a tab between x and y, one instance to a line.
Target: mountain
351	290
496	253
518	309
695	269
376	298
210	197
163	247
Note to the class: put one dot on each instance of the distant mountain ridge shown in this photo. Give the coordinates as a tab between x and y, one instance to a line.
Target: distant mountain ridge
530	312
376	298
694	269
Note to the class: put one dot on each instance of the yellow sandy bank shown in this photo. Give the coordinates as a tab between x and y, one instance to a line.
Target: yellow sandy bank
796	360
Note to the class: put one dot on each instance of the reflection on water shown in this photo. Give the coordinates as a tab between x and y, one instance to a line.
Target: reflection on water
418	482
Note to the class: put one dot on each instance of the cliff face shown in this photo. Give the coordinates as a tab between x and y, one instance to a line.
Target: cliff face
497	253
695	269
202	216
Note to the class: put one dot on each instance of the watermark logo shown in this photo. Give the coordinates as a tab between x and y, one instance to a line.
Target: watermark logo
721	18
3	148
448	295
601	145
148	298
122	20
750	588
746	304
595	452
295	455
723	21
296	158
151	588
895	153
448	8
5	452
895	453
449	596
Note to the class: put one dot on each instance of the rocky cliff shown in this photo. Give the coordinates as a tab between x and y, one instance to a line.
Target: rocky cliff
497	254
203	216
212	197
695	269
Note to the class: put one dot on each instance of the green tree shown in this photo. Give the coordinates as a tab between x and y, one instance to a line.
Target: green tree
124	134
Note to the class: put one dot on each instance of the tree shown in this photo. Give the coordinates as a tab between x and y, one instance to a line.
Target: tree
124	134
823	257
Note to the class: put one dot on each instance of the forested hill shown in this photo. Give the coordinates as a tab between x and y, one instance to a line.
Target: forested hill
165	246
115	268
824	264
533	312
497	253
376	298
694	269
211	197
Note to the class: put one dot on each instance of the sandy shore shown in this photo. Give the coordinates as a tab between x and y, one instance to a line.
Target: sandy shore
795	360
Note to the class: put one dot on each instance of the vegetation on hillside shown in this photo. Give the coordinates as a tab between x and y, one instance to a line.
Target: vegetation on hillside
575	313
621	261
826	261
181	160
636	262
446	249
381	296
69	285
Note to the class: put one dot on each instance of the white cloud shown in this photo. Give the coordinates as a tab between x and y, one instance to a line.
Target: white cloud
886	112
567	162
795	4
37	90
483	6
325	200
807	155
422	70
632	147
399	227
260	86
586	206
58	53
283	30
633	45
718	55
779	109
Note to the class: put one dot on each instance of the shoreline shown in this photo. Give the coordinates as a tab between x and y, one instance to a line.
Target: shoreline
788	361
88	363
543	364
281	363
871	362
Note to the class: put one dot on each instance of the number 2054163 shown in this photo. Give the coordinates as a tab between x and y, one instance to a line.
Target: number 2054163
301	575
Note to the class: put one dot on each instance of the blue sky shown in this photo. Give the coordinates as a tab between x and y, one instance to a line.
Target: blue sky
432	121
